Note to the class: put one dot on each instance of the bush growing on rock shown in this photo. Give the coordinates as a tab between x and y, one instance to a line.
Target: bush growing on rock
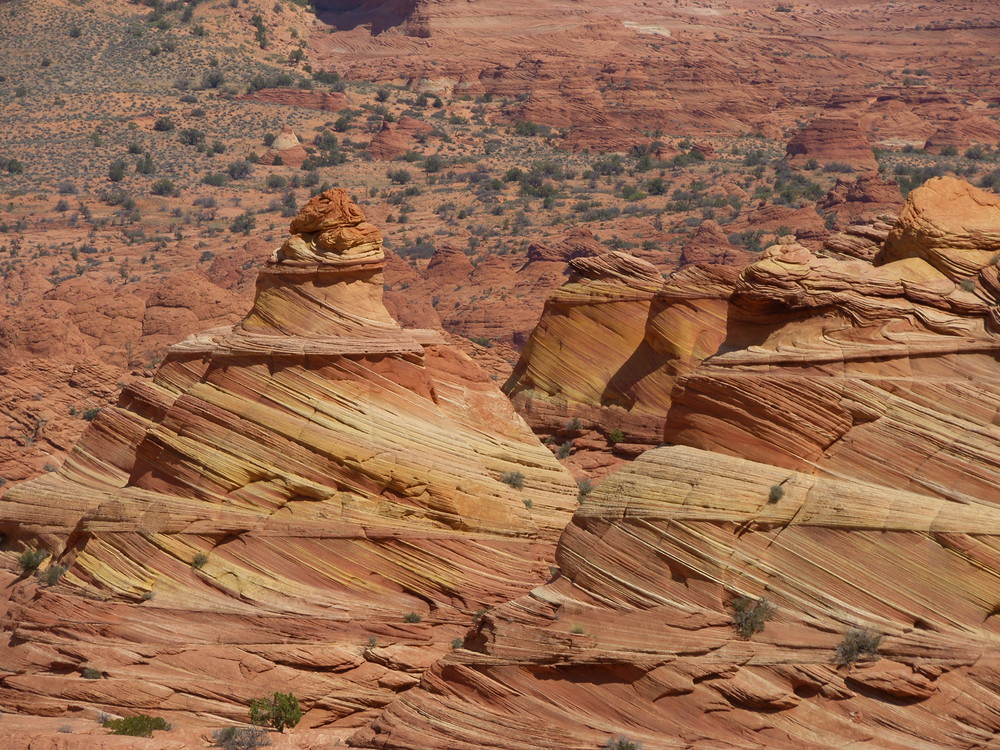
52	574
622	743
30	559
749	614
514	478
139	725
857	643
240	738
278	710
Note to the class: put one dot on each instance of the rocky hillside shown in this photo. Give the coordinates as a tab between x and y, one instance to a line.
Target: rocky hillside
697	606
314	500
814	562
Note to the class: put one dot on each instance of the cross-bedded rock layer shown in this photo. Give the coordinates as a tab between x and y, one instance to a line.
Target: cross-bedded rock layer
314	500
874	360
637	636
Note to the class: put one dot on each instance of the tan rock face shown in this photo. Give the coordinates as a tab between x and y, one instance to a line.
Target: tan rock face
877	366
637	637
395	139
314	500
951	225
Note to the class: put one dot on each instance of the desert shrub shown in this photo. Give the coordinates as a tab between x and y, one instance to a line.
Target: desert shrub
213	79
616	436
584	488
838	166
116	171
145	165
399	176
199	561
89	673
51	575
991	181
565	449
163	124
139	725
412	617
243	223
278	710
857	643
240	738
30	559
776	493
749	614
239	170
482	341
622	743
434	163
514	478
276	181
215	179
191	137
163	186
326	76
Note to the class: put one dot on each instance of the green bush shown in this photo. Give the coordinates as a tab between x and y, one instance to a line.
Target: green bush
412	617
30	559
749	614
857	643
89	673
243	223
278	710
139	725
776	493
51	575
116	172
622	743
163	124
240	738
199	561
616	436
163	186
514	478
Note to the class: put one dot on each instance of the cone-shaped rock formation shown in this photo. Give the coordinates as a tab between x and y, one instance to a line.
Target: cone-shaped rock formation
315	499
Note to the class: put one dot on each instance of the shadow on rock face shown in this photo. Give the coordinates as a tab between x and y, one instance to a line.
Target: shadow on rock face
379	16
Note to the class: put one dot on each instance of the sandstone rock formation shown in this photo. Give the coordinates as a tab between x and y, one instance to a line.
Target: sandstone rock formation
710	244
613	340
831	140
314	500
286	149
877	364
637	638
396	138
864	197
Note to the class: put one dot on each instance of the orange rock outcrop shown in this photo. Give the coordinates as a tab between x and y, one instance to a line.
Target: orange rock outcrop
814	562
315	500
637	638
832	140
875	362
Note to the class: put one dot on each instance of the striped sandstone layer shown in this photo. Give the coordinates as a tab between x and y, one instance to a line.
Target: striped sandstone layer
636	637
314	500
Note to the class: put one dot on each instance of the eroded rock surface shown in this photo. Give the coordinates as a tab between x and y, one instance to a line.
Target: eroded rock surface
314	500
637	636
